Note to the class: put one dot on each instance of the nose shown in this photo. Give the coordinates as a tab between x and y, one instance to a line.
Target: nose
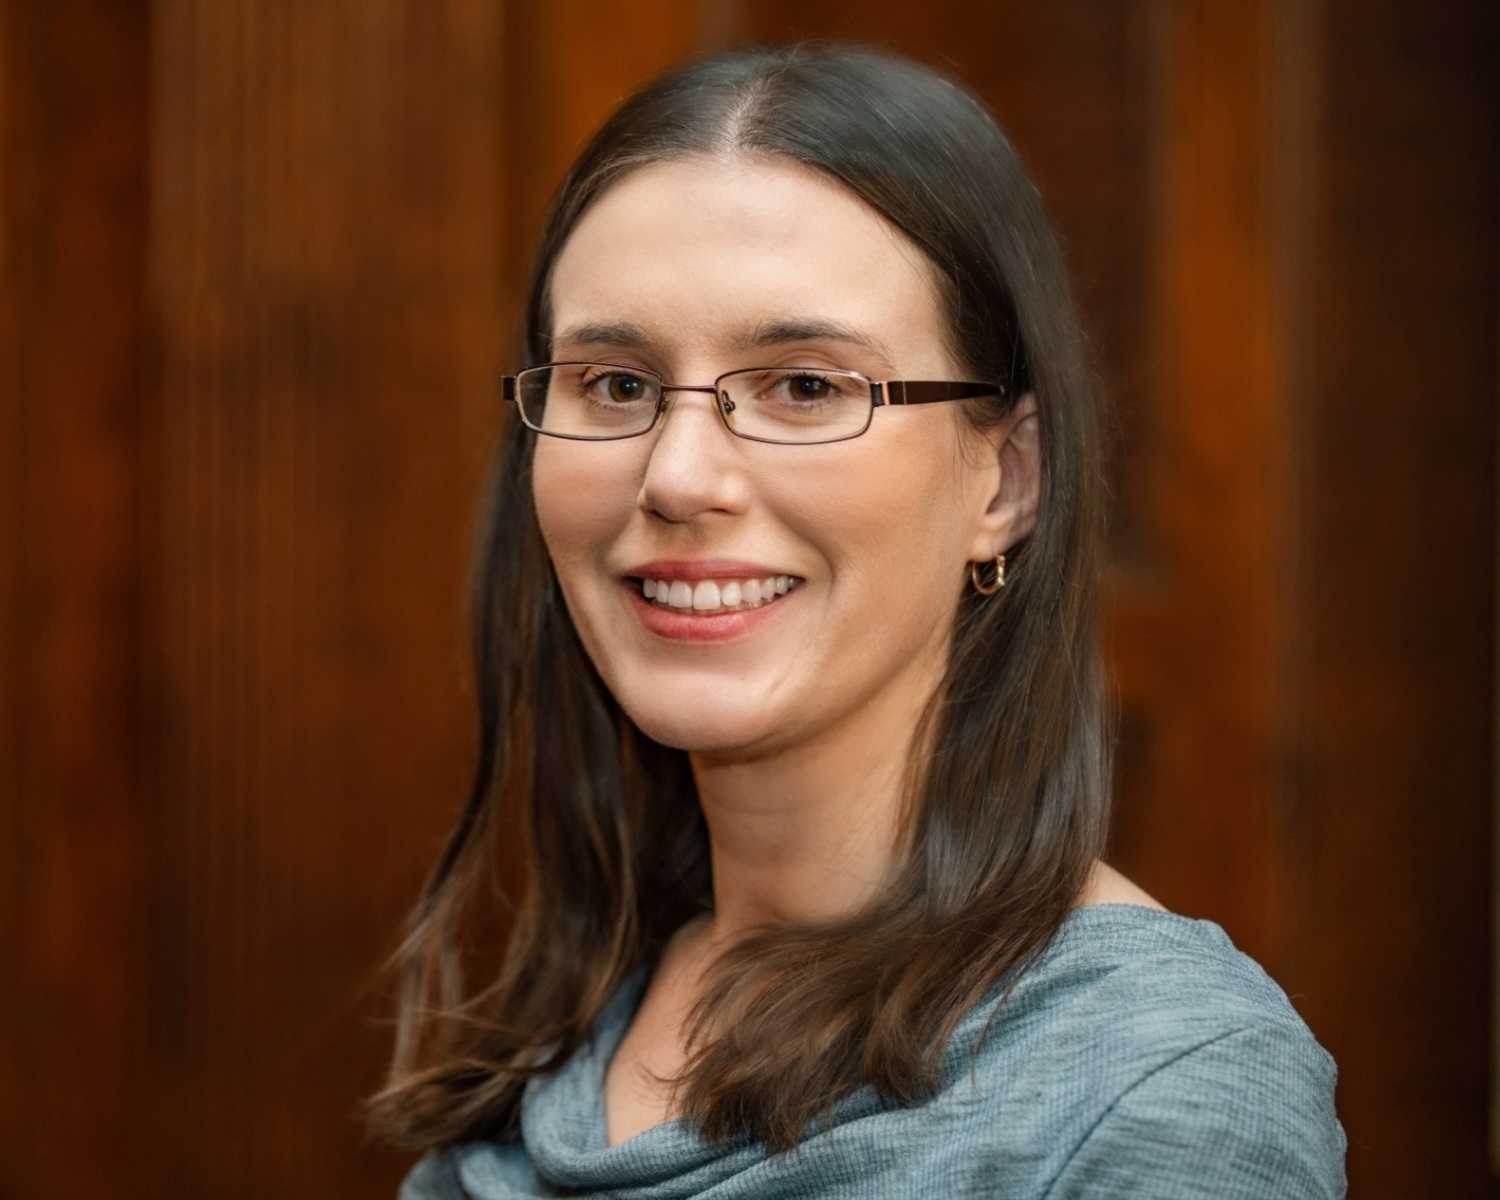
691	469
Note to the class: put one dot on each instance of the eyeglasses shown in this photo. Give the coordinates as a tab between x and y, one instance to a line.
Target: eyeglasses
601	402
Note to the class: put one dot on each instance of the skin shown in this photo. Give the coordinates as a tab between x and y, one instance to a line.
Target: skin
798	729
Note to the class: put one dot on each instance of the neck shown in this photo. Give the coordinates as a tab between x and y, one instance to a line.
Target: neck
810	833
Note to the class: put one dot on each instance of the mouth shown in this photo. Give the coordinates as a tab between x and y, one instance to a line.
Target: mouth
710	597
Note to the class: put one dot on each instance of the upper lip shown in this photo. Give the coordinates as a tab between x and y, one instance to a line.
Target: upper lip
693	570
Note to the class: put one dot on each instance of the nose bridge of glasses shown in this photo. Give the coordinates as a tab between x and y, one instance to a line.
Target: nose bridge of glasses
668	403
680	443
711	389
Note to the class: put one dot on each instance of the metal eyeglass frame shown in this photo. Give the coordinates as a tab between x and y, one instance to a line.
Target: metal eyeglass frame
882	393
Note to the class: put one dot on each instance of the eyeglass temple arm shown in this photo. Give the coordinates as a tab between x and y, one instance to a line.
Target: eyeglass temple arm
897	391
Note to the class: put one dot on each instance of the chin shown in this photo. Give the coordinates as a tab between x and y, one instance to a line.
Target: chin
697	729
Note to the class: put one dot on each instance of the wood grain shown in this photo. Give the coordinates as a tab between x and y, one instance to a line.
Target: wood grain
75	852
1400	604
327	207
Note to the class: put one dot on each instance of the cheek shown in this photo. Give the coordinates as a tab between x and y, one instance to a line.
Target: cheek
890	530
896	521
583	495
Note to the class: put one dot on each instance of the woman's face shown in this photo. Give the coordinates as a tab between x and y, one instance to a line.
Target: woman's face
696	267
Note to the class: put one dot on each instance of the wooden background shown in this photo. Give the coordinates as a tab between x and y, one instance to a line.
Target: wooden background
259	264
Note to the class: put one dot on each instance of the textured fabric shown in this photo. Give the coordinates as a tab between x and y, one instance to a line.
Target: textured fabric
1144	1056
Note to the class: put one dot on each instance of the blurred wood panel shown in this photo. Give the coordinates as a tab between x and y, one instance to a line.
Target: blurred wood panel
74	773
1201	629
1400	599
327	208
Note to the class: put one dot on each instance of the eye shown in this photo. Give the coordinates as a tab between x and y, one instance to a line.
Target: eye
808	387
626	387
619	387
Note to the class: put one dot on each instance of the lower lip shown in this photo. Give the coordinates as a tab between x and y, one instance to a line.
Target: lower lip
685	625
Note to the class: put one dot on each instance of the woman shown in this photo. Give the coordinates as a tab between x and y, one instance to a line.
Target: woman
791	708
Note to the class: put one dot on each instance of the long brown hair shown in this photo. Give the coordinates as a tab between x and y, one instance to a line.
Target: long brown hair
1008	803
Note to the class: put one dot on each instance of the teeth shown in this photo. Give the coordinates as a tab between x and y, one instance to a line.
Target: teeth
709	595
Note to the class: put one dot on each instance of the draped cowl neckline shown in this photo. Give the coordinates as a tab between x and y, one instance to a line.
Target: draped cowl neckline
1129	1039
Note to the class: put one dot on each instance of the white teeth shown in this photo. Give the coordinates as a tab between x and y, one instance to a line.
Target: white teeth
709	595
706	595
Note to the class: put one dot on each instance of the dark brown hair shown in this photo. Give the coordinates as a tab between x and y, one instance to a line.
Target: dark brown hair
1007	805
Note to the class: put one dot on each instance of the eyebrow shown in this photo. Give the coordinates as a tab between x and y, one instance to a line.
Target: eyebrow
782	333
622	335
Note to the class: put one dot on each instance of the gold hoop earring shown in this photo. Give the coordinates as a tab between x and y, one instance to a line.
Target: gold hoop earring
999	577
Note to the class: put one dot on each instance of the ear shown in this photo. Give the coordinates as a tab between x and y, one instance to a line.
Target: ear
1010	511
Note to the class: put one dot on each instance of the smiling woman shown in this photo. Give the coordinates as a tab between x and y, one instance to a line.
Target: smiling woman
815	283
790	699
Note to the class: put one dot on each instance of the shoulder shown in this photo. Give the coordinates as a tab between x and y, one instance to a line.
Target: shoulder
1248	1114
1144	979
1146	1055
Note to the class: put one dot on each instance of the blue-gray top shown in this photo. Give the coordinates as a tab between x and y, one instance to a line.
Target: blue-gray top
1143	1056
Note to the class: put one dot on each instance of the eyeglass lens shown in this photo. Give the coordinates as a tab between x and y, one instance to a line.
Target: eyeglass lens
596	402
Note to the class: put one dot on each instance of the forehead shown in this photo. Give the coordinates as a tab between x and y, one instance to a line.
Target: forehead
698	253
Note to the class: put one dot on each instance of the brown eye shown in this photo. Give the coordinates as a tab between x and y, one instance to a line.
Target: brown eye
807	387
626	388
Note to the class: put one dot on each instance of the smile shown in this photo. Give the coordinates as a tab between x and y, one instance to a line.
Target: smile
717	596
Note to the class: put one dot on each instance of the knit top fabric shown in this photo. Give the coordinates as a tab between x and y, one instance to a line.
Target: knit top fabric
1142	1056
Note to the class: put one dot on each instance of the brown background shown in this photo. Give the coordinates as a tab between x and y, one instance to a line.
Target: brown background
260	265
